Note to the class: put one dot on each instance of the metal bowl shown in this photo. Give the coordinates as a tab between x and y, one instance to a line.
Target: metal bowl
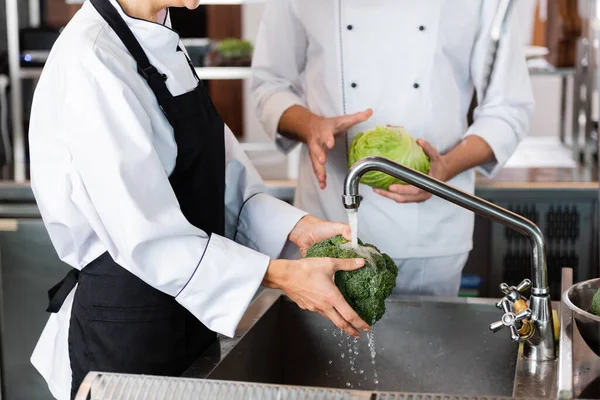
579	299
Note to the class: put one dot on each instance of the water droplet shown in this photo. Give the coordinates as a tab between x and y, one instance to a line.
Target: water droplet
350	351
330	362
348	384
355	352
334	333
373	362
355	340
361	371
376	381
343	355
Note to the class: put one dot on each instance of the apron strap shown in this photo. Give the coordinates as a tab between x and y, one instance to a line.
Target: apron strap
155	79
59	292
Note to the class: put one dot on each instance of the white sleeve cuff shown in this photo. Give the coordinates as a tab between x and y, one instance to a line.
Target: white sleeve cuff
268	235
274	108
223	284
501	138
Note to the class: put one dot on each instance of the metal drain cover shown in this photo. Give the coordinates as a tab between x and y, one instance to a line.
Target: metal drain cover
108	386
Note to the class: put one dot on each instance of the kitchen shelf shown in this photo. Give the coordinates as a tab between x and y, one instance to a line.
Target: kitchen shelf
562	72
218	73
30	73
205	73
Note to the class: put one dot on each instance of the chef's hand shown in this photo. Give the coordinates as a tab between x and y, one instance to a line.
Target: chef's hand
318	133
310	230
310	284
409	194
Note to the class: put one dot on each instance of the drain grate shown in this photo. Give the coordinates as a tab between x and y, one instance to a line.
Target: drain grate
105	386
108	386
408	396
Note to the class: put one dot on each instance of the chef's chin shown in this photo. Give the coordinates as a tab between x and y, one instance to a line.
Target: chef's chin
191	4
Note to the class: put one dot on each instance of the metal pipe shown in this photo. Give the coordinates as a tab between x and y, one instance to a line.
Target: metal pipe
351	199
34	13
540	346
16	94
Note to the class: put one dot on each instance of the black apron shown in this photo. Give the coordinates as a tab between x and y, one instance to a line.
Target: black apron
118	322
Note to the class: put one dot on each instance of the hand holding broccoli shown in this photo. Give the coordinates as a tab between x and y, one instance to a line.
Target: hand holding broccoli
311	230
310	282
367	288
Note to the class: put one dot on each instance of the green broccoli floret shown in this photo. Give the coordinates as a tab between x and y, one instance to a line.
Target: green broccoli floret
365	289
595	308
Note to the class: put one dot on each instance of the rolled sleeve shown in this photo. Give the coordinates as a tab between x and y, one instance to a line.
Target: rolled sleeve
272	111
500	136
277	65
224	284
261	233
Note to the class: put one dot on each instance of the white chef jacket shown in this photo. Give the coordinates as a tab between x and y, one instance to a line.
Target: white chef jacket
416	64
101	154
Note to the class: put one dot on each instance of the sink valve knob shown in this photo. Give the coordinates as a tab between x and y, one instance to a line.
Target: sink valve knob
511	320
513	293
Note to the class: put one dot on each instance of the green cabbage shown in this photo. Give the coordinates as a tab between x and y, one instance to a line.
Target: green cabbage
393	143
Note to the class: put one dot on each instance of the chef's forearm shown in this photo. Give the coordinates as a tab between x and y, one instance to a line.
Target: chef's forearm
276	274
295	123
471	152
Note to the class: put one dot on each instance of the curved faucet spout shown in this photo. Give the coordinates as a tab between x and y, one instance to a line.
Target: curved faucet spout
540	346
351	200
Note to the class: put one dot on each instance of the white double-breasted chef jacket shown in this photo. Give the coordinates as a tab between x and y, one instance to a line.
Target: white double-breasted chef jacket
416	64
101	155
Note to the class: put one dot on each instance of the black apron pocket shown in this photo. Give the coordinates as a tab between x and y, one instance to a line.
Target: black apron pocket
138	340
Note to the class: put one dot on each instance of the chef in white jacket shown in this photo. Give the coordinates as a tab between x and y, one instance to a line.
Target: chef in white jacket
149	197
325	70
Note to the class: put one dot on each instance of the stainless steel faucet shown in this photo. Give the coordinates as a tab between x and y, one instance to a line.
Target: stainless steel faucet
534	324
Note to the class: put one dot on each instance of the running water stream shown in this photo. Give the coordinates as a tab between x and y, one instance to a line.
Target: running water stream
373	350
353	222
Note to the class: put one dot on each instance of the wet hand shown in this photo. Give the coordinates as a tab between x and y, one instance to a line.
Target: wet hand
320	138
310	230
310	284
410	194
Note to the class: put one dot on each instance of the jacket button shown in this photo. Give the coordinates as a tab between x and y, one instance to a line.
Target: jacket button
416	85
421	28
350	27
354	85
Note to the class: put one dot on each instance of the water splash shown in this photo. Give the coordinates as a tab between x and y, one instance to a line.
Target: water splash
366	252
373	351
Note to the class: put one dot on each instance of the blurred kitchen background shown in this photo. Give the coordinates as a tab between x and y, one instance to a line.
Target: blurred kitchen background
552	179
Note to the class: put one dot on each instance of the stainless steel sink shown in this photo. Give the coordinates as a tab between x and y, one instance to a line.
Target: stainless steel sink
423	346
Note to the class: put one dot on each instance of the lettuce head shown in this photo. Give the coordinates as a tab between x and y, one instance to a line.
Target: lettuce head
393	143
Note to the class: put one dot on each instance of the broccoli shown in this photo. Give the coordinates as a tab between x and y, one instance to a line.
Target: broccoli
595	308
365	289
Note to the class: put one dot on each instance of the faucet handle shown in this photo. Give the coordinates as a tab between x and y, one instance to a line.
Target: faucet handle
510	319
513	293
